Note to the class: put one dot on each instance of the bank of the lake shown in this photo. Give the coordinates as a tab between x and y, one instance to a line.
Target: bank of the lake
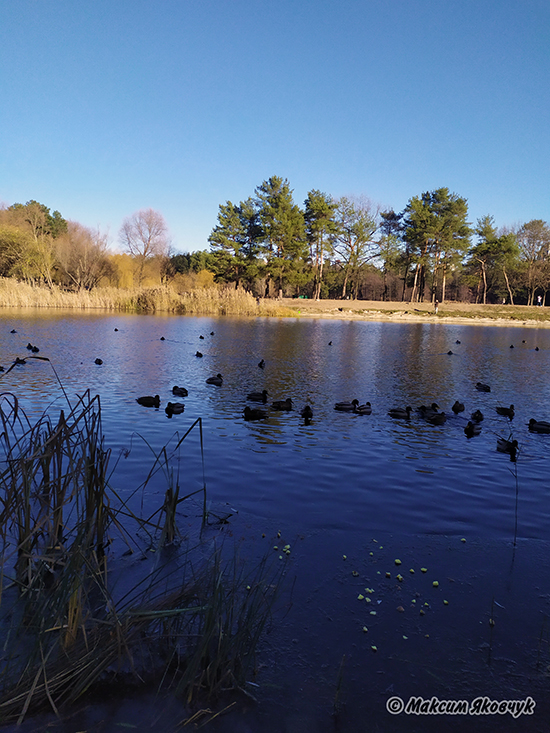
228	301
403	312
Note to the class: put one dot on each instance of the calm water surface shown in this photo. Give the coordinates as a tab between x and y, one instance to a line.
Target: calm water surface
338	484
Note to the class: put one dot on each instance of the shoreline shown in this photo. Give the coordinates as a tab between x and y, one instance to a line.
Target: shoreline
398	312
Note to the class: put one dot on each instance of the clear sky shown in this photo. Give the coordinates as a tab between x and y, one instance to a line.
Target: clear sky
110	106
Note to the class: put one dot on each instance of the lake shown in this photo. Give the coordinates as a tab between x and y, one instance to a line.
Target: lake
350	494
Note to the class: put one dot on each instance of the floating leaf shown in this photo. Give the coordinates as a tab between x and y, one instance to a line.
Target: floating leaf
365	629
354	573
405	637
424	570
463	540
398	561
360	597
388	575
411	571
399	577
435	584
373	613
374	648
400	609
344	557
446	603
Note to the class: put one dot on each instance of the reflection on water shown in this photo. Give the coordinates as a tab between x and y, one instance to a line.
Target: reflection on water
339	482
343	469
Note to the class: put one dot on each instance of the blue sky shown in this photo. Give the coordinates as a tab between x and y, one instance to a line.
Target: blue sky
180	105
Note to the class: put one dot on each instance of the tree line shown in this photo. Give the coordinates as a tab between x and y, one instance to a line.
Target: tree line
350	247
345	247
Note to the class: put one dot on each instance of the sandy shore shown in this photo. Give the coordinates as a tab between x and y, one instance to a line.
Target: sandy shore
397	312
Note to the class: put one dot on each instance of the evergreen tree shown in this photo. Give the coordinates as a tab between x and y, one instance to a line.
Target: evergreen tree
320	225
284	245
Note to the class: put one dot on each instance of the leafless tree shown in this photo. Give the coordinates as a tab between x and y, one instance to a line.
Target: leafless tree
144	235
82	255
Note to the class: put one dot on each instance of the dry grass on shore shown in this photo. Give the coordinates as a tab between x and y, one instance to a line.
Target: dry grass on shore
220	300
402	311
203	301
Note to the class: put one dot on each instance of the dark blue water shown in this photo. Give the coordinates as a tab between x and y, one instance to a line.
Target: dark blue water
335	486
343	469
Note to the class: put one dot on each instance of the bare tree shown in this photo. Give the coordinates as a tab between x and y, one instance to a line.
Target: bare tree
144	235
356	222
82	256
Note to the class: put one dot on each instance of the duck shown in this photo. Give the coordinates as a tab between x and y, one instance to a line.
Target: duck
201	337
254	413
258	396
506	411
19	361
508	446
427	412
29	346
477	416
481	387
346	406
282	404
437	418
365	409
198	354
179	391
98	361
539	426
217	380
35	349
261	364
307	414
174	408
457	407
472	429
400	414
149	401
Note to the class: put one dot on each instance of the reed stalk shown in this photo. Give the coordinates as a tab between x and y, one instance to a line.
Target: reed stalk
217	301
189	621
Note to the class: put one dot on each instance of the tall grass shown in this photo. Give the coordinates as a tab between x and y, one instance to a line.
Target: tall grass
204	301
188	620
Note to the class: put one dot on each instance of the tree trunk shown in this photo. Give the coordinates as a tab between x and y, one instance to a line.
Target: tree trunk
508	286
344	286
415	284
317	292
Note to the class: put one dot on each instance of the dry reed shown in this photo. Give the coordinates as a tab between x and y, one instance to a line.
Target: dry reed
189	622
203	301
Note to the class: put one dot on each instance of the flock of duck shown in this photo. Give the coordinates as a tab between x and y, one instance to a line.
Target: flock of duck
431	413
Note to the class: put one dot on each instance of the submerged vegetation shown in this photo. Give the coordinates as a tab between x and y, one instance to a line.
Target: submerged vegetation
184	615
